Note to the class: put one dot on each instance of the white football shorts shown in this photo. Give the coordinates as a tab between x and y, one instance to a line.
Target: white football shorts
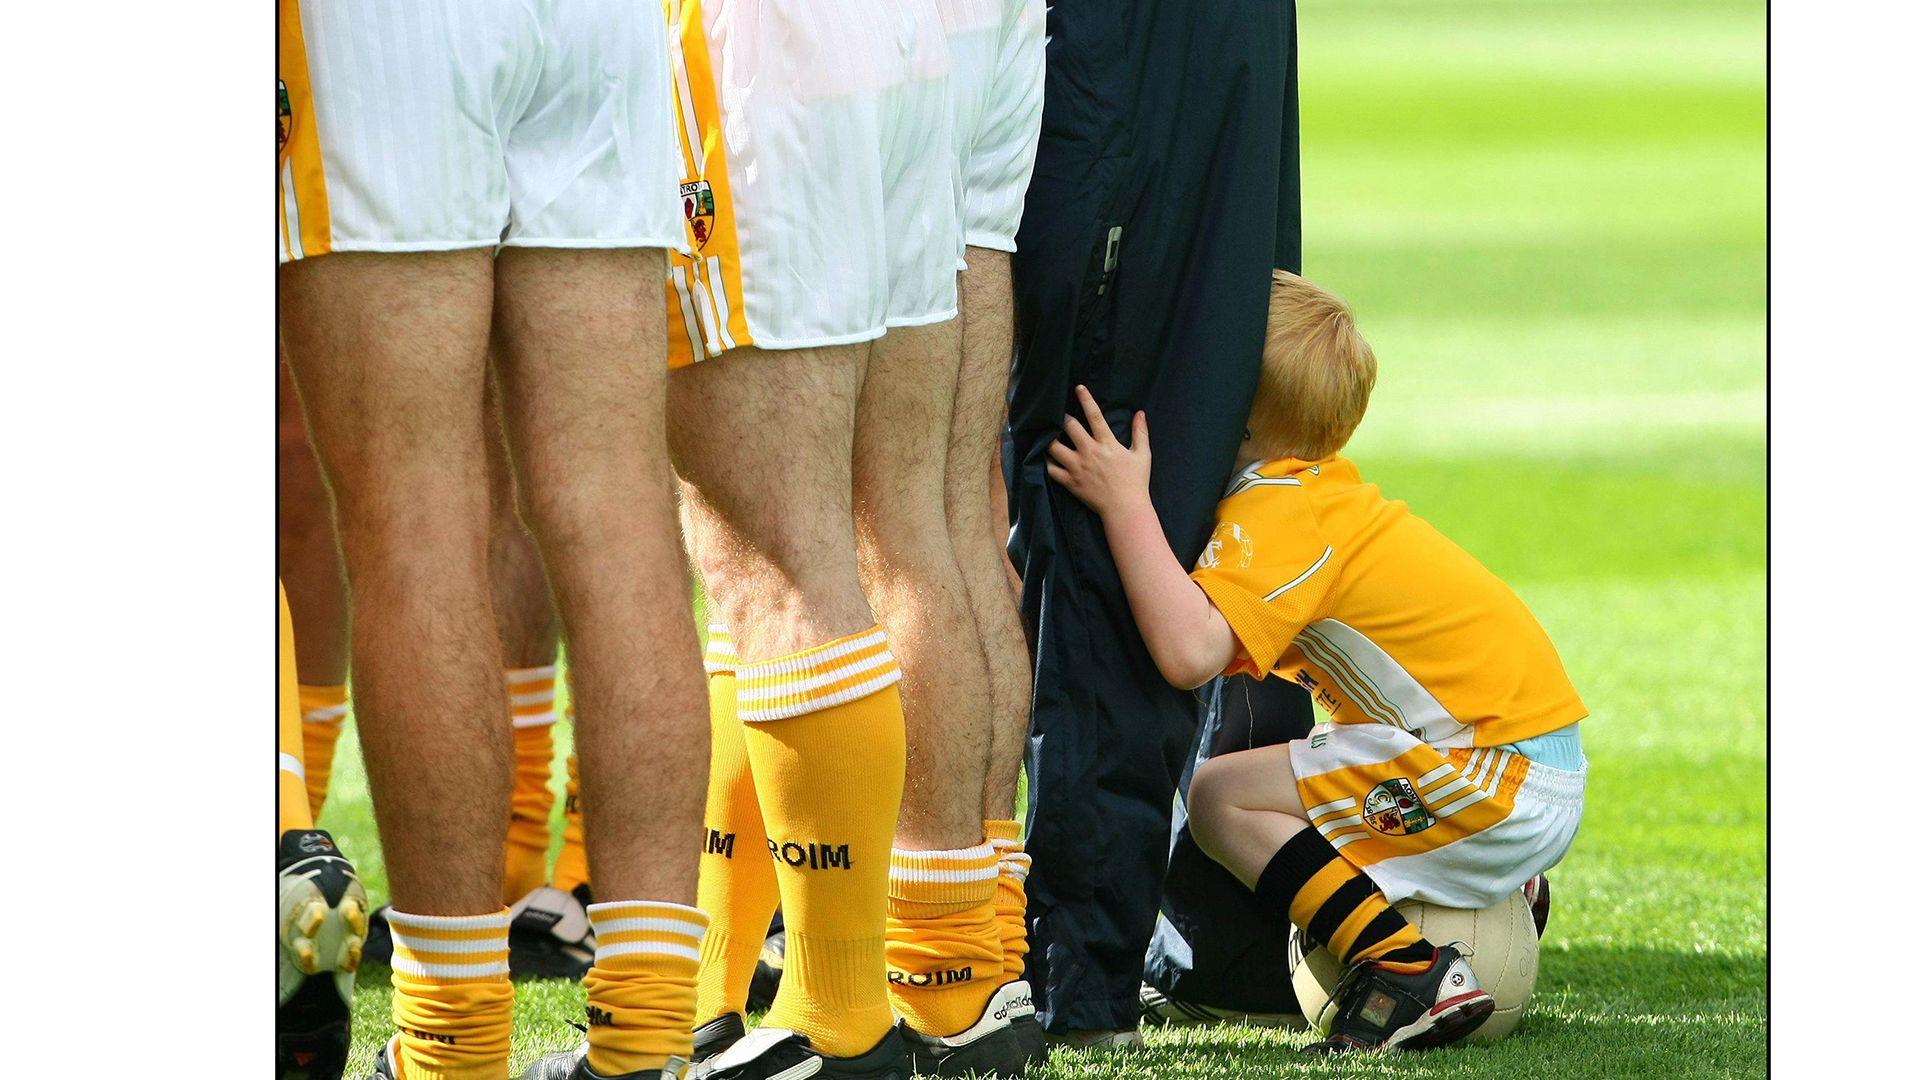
433	127
999	73
1459	827
817	185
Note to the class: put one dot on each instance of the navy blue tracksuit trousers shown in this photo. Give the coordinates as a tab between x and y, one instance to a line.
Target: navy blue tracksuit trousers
1165	188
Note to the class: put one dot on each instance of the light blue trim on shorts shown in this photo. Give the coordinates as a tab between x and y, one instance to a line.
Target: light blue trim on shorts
1556	749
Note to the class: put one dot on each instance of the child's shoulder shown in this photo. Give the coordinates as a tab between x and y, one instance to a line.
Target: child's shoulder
1273	496
1276	477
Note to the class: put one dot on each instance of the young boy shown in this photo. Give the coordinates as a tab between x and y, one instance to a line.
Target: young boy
1451	771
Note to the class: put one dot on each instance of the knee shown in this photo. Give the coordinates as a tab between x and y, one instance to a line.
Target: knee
907	545
1209	804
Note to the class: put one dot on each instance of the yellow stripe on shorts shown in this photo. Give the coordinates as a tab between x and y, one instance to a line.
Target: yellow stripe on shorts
306	229
704	312
1458	806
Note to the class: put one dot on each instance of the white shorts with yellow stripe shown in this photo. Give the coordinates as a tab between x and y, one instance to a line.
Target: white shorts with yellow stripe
999	73
434	127
1459	827
817	183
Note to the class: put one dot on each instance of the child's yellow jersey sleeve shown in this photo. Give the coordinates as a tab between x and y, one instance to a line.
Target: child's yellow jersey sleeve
1269	569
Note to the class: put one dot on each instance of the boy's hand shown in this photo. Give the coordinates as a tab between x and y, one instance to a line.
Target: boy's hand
1096	468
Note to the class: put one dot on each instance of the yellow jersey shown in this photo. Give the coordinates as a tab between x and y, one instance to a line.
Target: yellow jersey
1381	618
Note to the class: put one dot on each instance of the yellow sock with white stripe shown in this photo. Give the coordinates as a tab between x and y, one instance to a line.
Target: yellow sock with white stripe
737	889
640	990
323	709
943	945
452	1001
295	811
828	746
1010	896
530	692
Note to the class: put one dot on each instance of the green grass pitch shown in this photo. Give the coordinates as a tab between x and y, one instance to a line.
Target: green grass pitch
1549	216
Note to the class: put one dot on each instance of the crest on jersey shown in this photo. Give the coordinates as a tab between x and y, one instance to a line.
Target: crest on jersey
696	200
286	115
1229	543
1394	808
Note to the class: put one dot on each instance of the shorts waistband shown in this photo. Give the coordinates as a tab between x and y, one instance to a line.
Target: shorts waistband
1557	787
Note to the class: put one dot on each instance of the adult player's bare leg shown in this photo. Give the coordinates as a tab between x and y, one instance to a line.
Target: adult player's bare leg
974	489
529	642
763	441
581	358
583	377
911	575
389	352
309	557
316	584
944	957
764	444
522	604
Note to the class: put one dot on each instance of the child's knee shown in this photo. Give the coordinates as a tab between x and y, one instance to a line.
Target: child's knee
1209	804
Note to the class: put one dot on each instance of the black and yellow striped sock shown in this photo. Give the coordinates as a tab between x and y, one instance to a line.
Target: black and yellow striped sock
1336	904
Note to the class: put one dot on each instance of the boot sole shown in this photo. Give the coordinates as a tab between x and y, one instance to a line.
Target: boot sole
1447	1022
1002	1054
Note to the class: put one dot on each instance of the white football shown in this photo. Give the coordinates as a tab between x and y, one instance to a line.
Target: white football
1505	955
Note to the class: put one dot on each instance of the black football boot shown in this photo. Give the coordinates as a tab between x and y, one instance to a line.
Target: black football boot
779	1054
322	928
1003	1042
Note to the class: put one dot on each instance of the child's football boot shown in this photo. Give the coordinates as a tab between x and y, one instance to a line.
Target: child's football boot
1382	1009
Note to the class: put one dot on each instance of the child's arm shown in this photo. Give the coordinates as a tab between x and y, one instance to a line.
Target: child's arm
1189	639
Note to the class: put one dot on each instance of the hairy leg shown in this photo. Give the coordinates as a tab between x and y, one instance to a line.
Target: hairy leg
389	352
763	441
529	628
529	640
1242	807
310	567
583	377
977	519
910	573
764	444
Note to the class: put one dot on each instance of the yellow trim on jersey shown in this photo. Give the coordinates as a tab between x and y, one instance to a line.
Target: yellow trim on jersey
704	310
306	229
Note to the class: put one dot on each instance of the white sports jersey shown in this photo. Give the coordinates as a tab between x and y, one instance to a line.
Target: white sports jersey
432	127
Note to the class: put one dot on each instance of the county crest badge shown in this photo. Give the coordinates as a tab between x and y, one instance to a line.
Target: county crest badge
1394	808
696	199
1230	543
286	115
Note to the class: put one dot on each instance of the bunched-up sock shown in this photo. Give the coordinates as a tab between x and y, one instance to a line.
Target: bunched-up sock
295	810
737	888
452	1002
323	709
530	692
1010	896
828	747
943	944
640	990
570	869
1336	904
